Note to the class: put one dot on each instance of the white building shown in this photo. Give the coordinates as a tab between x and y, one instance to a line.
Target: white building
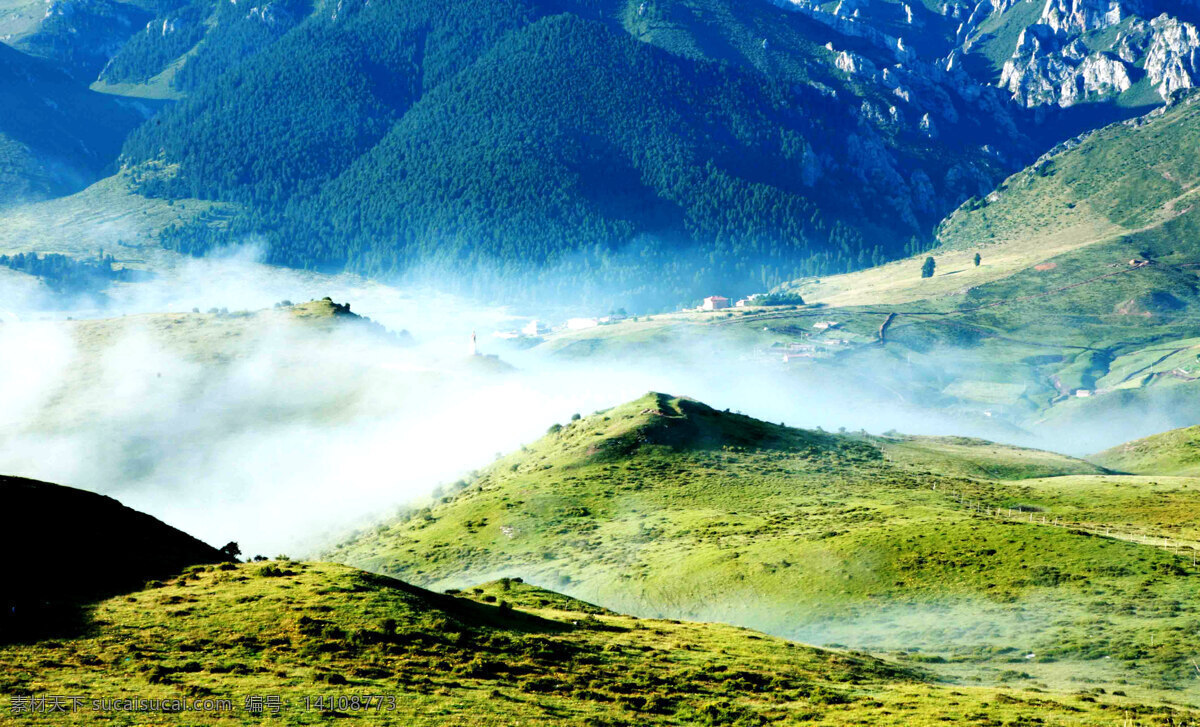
715	302
535	328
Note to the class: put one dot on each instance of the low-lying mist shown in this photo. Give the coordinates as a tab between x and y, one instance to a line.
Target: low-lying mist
280	433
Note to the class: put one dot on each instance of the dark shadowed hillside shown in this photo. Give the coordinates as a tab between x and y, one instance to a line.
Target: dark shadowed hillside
81	546
55	135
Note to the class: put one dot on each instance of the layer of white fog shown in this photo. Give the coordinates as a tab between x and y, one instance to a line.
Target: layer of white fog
299	436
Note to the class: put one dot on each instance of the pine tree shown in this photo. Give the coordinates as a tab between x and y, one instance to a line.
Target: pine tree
928	267
978	259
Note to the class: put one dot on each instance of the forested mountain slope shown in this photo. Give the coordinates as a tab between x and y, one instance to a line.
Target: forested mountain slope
729	142
192	43
604	148
78	36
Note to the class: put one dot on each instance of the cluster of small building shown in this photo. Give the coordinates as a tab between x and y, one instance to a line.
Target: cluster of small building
811	348
720	302
537	328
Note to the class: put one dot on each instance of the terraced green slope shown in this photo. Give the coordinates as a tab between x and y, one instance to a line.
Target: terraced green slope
666	507
1176	452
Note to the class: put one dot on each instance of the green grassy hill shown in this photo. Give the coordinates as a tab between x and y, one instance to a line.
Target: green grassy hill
195	351
329	641
968	457
1176	452
495	654
665	507
220	336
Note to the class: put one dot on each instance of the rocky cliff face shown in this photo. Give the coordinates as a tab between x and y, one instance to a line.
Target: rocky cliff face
1171	57
1067	57
1045	71
1073	51
1065	17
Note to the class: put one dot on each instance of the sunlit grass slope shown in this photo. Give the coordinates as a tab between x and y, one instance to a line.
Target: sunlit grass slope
502	653
102	216
665	507
964	456
1120	180
1176	452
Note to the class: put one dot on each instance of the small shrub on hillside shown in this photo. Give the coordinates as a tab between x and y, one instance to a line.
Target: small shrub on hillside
540	685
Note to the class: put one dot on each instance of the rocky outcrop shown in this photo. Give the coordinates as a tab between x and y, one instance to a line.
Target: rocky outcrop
845	20
1045	71
928	126
854	64
1051	65
1171	60
1097	74
1065	17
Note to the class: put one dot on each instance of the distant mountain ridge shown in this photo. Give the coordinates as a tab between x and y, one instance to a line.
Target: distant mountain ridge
443	139
656	149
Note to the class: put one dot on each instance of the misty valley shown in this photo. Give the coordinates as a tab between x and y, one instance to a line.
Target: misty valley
600	363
